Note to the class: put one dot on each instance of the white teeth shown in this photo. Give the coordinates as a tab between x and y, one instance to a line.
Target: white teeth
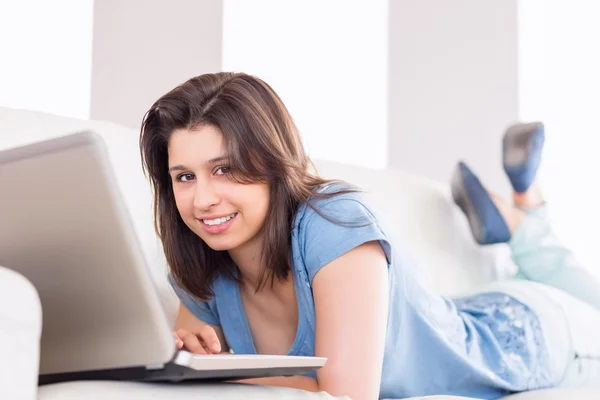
218	221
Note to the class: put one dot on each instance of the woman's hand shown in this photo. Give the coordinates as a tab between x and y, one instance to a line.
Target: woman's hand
203	340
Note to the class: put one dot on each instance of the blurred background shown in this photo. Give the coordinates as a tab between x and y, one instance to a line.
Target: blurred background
410	84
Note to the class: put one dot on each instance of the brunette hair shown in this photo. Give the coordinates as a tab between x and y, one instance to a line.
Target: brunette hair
263	146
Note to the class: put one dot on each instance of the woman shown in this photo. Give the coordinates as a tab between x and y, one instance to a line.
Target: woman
269	258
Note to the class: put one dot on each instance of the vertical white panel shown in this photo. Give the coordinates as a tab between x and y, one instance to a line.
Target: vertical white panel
142	49
46	55
559	84
328	62
453	86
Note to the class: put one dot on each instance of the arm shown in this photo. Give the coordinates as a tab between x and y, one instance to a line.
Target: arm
351	303
188	328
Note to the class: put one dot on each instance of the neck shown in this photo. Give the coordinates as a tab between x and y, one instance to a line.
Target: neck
248	260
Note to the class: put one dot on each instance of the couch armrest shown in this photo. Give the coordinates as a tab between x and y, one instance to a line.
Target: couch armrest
20	330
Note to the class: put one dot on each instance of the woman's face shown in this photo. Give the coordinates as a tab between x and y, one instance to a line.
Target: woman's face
226	215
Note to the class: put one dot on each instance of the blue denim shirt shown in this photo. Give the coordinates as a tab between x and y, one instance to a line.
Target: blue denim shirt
483	346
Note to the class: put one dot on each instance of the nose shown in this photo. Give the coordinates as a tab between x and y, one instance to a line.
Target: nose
205	195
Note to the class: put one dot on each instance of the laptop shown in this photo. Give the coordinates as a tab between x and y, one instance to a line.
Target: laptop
65	227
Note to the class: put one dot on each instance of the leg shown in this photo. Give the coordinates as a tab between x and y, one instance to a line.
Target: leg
568	326
582	322
536	251
541	257
567	321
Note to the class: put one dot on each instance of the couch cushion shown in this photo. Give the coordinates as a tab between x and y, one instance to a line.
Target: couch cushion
102	390
558	394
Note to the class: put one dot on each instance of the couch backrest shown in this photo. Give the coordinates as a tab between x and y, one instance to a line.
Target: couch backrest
426	223
419	212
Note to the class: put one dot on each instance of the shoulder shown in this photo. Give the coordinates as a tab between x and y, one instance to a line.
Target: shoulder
337	200
328	227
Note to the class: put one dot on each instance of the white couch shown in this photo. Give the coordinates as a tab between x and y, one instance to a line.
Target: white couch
420	212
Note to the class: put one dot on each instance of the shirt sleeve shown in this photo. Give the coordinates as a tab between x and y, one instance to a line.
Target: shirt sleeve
200	309
346	223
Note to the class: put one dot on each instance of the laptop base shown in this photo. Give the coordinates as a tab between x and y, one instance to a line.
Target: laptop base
171	373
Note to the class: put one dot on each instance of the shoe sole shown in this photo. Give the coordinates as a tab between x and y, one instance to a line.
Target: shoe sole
517	143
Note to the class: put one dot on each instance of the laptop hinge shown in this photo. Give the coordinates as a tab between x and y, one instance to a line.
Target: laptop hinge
155	366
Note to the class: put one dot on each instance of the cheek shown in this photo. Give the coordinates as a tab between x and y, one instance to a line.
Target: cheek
254	202
182	200
260	203
264	204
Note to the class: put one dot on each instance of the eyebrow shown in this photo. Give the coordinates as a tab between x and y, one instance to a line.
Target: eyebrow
209	162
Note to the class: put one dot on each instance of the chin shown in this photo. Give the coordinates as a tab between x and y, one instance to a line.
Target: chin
220	245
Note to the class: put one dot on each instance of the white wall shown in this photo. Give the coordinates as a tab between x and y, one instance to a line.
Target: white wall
46	55
142	49
328	62
452	69
453	85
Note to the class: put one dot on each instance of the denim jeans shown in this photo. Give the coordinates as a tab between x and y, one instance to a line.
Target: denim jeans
563	293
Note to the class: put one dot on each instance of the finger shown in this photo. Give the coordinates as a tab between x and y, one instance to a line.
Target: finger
178	341
191	342
205	347
209	336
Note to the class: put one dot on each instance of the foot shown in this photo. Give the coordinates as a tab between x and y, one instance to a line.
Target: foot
522	152
511	214
491	221
529	200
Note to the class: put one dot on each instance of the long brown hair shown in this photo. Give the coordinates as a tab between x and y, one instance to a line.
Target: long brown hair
263	146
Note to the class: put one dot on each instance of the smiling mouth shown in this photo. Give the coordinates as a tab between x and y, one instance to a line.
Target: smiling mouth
218	221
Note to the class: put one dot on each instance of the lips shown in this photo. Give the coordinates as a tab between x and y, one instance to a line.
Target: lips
218	220
217	226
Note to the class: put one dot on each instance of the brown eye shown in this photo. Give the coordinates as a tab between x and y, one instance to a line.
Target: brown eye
185	177
222	170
